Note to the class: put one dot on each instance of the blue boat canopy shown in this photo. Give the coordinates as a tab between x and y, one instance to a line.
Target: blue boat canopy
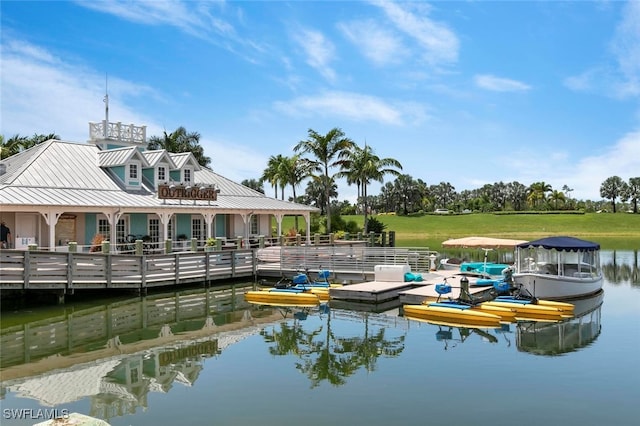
562	243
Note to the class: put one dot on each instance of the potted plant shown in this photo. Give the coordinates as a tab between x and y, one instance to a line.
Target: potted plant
210	244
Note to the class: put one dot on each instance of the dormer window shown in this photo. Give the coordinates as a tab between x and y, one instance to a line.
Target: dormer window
133	172
187	175
162	174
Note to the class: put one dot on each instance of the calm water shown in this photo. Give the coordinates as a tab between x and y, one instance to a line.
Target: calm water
207	358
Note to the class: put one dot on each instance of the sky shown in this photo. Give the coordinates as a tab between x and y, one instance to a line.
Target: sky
465	92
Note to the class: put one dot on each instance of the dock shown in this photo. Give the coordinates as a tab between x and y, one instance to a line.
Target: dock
386	289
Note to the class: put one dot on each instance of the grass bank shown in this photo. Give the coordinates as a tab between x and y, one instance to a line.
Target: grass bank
619	231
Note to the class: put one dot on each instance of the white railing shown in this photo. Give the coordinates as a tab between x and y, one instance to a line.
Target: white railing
118	132
354	258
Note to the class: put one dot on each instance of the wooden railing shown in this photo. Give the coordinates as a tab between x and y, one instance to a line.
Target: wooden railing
24	270
346	258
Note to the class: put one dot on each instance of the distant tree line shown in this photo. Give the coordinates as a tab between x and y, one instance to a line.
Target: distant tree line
321	159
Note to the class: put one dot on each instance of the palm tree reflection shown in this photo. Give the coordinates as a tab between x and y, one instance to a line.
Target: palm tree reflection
324	356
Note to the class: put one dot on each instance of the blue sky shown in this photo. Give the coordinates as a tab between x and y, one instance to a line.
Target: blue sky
468	93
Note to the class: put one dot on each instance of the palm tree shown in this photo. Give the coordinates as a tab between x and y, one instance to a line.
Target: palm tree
12	146
633	192
329	151
180	141
254	184
293	170
556	196
273	173
612	188
538	192
361	166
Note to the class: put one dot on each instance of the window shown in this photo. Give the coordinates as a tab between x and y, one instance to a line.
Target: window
121	228
104	228
196	228
162	174
133	171
154	230
253	224
187	175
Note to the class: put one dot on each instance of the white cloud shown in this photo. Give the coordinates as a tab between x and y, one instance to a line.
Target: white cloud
584	174
157	12
626	48
378	44
499	84
318	50
234	161
197	19
439	43
354	107
42	94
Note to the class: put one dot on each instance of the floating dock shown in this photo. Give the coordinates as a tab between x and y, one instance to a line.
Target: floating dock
427	291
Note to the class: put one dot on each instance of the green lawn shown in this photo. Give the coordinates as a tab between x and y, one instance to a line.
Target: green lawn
612	231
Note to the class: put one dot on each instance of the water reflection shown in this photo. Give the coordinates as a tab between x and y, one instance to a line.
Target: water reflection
542	338
117	356
322	354
622	267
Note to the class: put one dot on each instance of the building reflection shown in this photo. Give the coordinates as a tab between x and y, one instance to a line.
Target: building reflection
115	355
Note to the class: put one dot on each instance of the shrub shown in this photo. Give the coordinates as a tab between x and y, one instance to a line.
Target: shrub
375	226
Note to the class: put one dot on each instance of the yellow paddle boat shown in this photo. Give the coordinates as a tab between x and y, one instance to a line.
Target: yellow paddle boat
282	297
531	311
505	314
454	313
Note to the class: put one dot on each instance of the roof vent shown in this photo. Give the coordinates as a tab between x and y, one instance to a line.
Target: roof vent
3	169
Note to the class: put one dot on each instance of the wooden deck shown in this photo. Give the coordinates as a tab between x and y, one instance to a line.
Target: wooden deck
427	291
370	292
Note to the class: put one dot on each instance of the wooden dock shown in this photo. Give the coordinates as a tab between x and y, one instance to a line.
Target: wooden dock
427	291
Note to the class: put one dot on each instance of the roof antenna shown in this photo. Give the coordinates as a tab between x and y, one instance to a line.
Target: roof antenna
106	104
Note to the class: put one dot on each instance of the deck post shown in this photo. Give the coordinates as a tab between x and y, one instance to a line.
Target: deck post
107	267
139	248
218	243
70	272
168	246
260	241
194	245
73	247
27	268
143	275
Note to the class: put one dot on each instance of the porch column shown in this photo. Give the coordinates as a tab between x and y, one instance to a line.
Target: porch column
51	218
246	219
279	217
307	218
113	217
208	218
165	218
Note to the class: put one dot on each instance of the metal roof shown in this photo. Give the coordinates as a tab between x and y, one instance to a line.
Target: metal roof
120	156
154	157
67	175
180	159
